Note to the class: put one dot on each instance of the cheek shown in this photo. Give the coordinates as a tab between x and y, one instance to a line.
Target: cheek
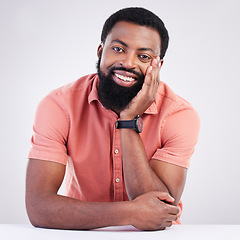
107	60
143	69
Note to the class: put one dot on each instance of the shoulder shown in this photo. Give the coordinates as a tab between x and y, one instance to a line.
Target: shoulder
79	85
181	122
67	95
166	97
63	98
177	114
168	102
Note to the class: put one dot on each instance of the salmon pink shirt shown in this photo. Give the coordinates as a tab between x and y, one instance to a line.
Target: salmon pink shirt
72	127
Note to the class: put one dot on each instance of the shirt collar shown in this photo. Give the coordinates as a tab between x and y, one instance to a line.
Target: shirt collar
152	109
93	95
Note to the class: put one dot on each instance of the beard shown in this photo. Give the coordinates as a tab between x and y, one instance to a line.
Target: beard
113	96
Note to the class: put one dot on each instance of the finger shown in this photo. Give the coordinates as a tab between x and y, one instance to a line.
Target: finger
164	196
173	209
172	217
150	84
154	65
158	71
168	224
156	75
147	80
161	228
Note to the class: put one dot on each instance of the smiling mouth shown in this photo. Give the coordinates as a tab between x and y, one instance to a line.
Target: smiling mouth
124	78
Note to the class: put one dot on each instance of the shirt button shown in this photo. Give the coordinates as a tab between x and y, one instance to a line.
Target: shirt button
117	180
116	151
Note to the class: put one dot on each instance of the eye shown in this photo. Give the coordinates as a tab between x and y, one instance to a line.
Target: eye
118	49
144	57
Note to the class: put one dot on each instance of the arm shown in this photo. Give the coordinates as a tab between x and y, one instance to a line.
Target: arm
140	176
47	209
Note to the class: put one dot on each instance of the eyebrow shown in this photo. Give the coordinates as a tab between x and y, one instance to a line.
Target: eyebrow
140	49
121	42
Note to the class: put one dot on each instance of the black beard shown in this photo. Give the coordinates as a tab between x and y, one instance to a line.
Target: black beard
113	96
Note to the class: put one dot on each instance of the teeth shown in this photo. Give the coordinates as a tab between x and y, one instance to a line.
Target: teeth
127	79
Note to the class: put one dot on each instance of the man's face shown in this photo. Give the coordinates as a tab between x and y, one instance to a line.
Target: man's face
123	60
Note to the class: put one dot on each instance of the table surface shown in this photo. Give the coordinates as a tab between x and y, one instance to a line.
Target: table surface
203	232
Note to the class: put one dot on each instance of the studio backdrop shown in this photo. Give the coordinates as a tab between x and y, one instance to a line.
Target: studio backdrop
49	43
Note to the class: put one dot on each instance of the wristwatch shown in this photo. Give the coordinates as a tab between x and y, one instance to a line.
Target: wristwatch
136	124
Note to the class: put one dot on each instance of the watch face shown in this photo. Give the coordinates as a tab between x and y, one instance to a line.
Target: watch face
140	124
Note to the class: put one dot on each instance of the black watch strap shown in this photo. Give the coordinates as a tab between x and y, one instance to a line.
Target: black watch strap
125	124
132	124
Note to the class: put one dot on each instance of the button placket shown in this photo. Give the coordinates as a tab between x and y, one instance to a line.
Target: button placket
117	167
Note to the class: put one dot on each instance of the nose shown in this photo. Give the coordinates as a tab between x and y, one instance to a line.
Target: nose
129	60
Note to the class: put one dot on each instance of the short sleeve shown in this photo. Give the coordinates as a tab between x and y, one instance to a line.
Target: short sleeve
179	137
50	131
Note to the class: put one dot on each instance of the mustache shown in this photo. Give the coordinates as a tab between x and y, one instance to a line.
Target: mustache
139	75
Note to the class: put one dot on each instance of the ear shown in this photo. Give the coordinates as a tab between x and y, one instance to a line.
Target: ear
99	50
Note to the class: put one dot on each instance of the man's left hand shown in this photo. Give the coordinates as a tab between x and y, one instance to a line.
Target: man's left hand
146	95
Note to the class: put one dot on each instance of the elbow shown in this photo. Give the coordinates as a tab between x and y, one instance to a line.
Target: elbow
37	213
34	222
33	215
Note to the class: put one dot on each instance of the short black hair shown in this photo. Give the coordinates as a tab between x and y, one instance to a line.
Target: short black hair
139	16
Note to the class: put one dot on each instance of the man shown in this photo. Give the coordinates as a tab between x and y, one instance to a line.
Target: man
122	169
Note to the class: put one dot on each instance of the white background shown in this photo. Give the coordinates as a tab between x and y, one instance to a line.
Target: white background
46	44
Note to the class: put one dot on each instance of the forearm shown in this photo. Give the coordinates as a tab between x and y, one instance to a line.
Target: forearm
66	213
138	175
